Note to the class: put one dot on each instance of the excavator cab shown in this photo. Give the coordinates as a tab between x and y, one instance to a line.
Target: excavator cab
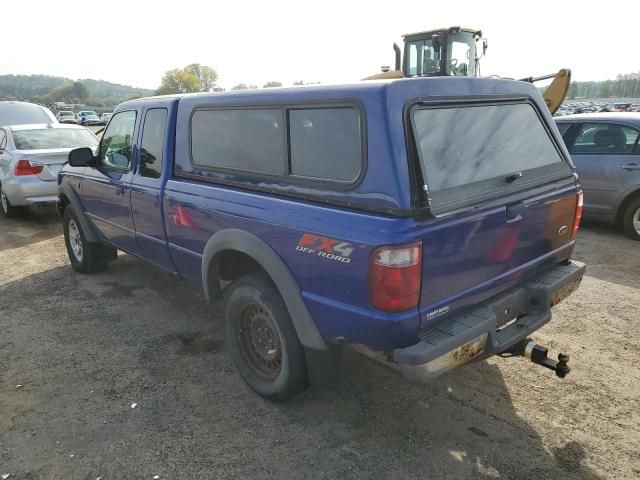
446	52
456	52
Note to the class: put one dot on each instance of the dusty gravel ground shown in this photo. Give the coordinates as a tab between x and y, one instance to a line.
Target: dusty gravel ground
85	348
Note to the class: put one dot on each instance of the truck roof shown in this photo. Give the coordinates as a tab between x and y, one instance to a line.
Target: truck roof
436	86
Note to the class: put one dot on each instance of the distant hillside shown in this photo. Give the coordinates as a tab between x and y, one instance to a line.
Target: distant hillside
37	87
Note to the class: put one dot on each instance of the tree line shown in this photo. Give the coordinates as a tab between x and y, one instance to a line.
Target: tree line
201	78
46	89
624	86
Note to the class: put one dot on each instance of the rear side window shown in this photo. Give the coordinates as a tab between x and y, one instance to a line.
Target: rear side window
248	139
325	143
304	144
151	149
477	152
604	139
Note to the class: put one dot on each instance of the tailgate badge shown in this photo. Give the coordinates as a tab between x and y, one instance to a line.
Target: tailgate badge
563	230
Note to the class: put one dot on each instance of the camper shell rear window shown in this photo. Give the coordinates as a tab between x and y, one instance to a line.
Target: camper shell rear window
475	152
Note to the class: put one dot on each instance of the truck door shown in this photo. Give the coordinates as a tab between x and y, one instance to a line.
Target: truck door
603	155
147	188
107	187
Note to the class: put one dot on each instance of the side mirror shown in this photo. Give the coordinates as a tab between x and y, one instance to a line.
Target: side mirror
80	157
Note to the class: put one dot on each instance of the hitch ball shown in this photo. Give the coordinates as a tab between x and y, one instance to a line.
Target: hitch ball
538	355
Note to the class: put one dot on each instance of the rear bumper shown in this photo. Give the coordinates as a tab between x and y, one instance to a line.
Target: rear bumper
489	328
30	190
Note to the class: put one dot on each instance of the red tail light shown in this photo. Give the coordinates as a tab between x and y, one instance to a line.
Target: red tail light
395	275
578	217
25	167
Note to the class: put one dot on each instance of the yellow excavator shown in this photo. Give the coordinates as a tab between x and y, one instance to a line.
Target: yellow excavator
457	51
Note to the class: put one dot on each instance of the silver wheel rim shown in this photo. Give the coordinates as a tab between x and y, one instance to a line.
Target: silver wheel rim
636	221
75	240
3	199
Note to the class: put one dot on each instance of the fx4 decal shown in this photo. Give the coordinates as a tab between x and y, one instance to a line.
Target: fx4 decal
328	248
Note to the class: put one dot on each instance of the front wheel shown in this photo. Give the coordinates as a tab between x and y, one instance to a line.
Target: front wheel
85	256
262	340
631	219
8	210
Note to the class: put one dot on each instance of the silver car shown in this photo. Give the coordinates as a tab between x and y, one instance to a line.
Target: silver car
605	150
15	113
31	157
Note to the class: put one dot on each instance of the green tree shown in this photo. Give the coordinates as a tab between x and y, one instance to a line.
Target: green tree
243	86
81	91
272	84
75	92
178	80
207	76
192	78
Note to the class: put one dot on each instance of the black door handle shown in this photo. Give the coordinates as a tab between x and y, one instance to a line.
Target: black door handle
514	210
120	191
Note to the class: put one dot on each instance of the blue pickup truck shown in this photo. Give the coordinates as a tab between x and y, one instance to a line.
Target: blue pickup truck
428	221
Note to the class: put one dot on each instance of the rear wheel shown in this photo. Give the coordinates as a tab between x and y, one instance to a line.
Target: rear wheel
7	209
631	219
262	341
85	257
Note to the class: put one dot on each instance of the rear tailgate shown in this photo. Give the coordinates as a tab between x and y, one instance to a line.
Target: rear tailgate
503	196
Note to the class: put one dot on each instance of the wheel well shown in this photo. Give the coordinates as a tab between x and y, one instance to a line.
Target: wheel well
62	204
625	203
234	264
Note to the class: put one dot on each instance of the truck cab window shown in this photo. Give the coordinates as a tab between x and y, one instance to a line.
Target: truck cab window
152	146
117	142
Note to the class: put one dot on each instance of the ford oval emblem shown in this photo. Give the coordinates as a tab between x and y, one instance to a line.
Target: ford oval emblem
562	230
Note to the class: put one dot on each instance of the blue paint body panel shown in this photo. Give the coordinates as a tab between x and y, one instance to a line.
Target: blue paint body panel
468	255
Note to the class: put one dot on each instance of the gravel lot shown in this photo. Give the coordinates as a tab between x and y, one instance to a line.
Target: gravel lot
85	348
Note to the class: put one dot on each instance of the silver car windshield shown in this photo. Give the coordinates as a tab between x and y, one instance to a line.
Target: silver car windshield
42	139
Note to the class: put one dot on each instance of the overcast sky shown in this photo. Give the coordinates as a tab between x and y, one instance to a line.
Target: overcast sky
135	41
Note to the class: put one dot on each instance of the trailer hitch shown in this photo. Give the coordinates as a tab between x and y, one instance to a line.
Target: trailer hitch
538	354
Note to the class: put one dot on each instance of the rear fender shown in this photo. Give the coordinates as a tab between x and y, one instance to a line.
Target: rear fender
270	261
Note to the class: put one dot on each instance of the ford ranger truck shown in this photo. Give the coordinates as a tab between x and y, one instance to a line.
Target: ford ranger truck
429	222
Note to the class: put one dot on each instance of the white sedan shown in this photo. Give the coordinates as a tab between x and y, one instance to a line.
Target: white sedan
31	157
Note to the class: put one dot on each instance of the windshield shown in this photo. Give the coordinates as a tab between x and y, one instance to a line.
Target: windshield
53	138
461	51
66	114
423	58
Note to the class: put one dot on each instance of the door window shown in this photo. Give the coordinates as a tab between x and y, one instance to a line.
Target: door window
152	146
604	139
117	142
563	127
3	139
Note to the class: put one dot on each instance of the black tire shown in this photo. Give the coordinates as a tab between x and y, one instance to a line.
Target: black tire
631	219
89	257
262	340
6	208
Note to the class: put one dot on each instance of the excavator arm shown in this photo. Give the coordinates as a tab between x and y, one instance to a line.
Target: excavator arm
557	90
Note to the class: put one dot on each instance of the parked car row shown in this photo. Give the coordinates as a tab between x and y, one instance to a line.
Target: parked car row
588	106
84	117
33	148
